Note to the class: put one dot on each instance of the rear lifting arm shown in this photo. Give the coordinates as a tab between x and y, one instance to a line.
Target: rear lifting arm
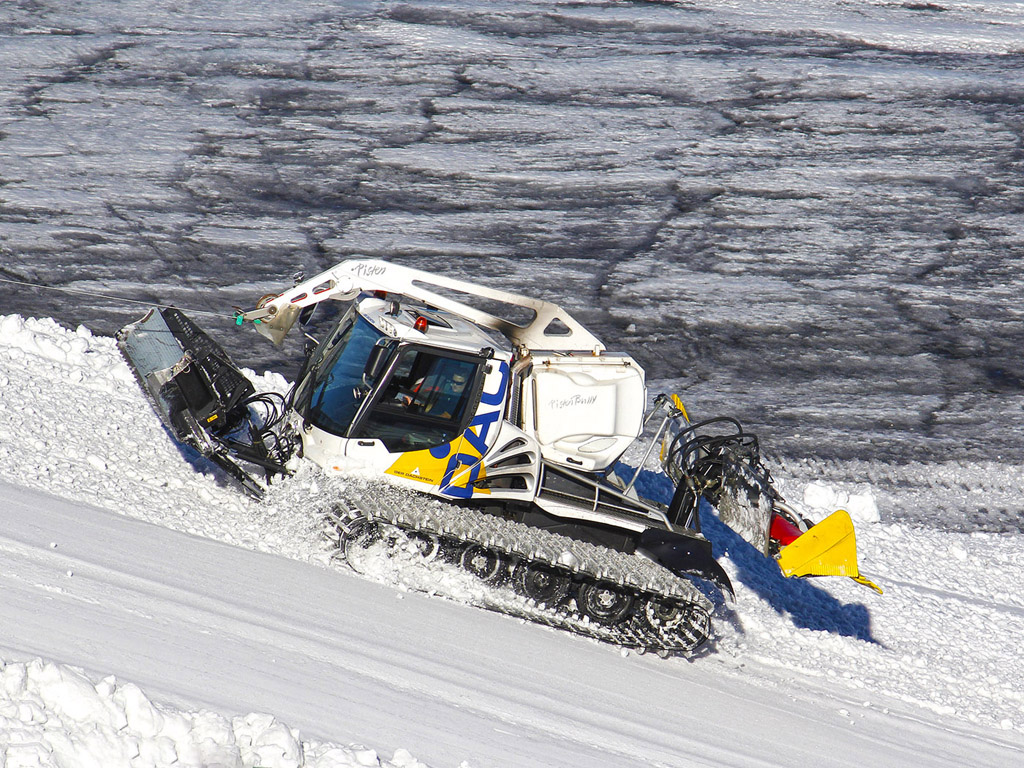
552	328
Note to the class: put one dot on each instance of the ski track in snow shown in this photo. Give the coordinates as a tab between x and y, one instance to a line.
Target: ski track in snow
944	638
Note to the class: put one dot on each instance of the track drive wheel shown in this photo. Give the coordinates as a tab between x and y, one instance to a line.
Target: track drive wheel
542	584
488	566
604	602
684	625
662	615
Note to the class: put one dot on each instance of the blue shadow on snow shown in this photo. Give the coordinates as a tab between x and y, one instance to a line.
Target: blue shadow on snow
807	605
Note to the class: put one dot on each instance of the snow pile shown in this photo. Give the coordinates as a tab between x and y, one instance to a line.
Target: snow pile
53	715
71	352
821	500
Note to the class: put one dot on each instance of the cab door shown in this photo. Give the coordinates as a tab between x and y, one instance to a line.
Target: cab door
412	427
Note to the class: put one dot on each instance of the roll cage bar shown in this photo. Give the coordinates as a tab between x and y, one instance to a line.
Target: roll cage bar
551	329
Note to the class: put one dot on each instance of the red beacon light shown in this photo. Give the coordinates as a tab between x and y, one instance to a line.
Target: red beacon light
420	324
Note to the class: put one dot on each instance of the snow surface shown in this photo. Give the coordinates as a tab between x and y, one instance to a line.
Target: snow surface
813	210
189	605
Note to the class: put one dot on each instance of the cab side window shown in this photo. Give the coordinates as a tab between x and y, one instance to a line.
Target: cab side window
426	402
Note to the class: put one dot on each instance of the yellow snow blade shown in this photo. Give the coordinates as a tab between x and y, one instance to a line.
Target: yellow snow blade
827	549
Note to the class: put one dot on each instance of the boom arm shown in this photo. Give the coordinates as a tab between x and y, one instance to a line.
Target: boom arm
552	328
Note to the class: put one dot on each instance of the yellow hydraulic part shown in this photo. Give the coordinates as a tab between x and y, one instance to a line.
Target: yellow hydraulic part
678	403
827	549
667	439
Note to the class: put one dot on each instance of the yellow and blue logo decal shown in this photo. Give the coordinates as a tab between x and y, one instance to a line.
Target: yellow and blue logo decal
455	466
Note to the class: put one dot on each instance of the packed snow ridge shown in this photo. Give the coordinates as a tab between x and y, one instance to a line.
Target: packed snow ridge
53	715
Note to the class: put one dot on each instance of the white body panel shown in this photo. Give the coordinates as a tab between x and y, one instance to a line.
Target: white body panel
584	410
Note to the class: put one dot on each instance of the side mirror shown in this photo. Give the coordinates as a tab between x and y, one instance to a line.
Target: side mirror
375	363
309	348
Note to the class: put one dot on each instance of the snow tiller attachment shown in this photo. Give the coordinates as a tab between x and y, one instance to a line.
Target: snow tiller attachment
201	397
718	461
505	435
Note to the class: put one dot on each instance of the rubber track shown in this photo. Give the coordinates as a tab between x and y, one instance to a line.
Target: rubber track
647	581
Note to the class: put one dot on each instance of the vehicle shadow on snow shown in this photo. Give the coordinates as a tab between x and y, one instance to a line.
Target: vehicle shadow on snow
203	465
807	605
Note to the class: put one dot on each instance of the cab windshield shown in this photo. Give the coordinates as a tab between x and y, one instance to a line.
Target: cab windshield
425	401
338	388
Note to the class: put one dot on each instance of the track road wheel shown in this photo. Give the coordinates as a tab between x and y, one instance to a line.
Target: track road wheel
426	545
490	567
604	602
546	586
354	537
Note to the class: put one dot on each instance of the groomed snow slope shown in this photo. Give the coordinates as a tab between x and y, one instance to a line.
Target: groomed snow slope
121	555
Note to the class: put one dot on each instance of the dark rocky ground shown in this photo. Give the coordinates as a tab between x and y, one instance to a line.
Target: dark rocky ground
822	232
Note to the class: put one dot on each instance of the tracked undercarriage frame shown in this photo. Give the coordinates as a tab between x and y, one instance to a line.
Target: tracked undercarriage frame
623	599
